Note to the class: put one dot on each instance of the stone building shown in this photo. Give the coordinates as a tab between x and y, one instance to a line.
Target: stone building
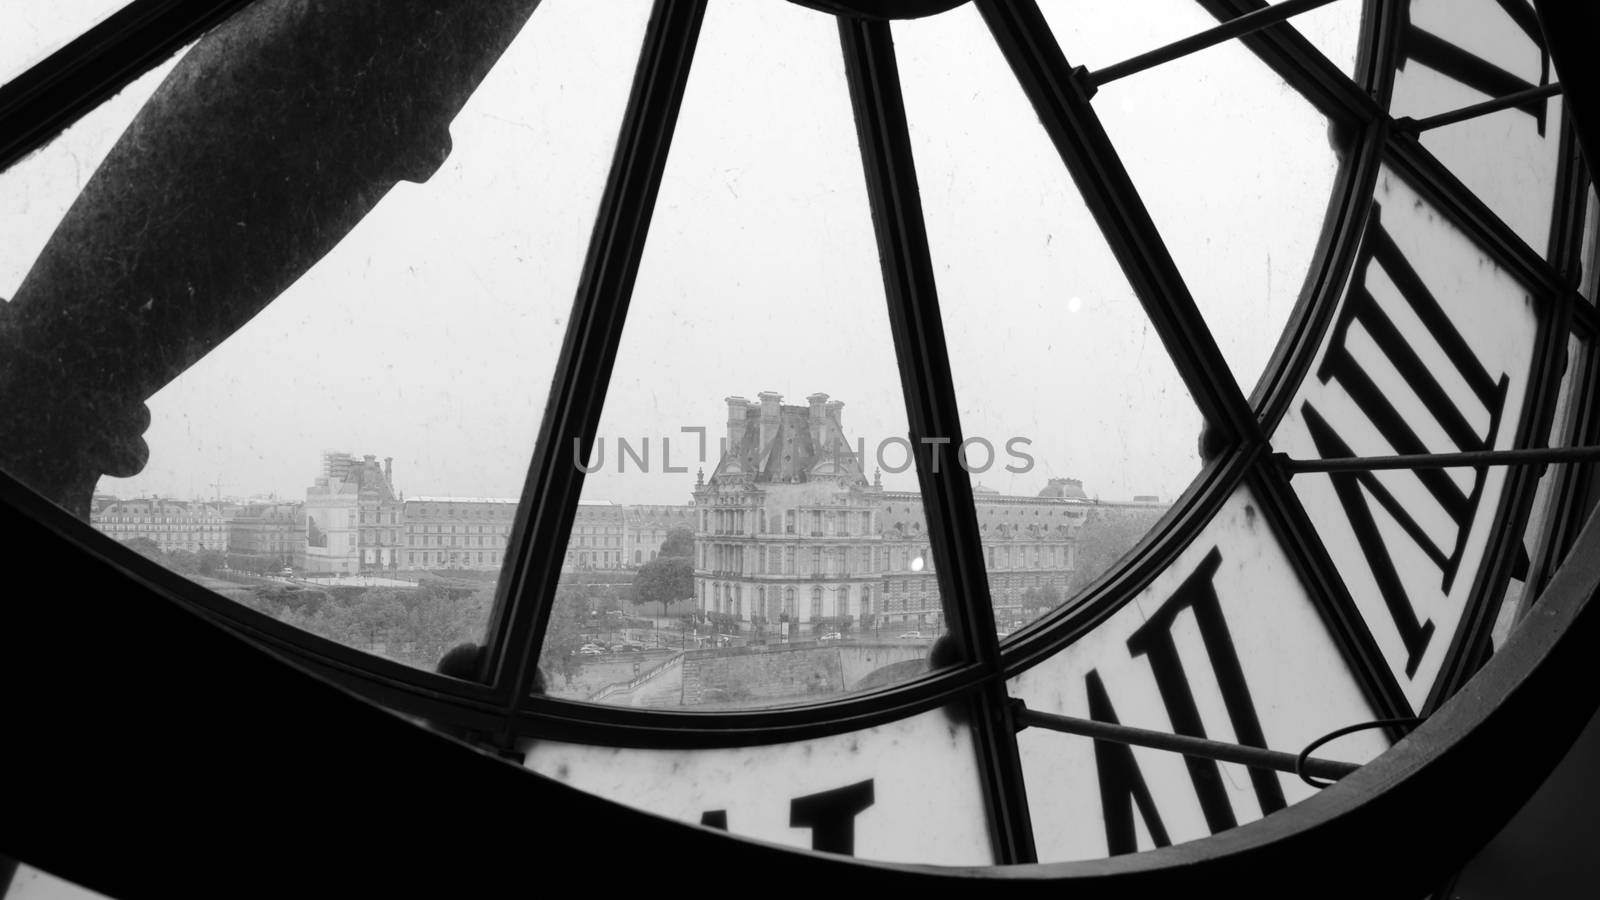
789	525
597	539
352	517
791	532
646	526
265	537
172	524
456	532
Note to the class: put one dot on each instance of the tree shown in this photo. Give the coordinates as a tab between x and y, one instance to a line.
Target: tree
211	561
679	542
146	547
1105	537
1036	601
184	562
664	580
570	618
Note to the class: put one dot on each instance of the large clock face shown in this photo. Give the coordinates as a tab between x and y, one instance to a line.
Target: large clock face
1180	389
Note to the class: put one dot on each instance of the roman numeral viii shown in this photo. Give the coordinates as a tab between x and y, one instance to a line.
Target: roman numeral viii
1442	392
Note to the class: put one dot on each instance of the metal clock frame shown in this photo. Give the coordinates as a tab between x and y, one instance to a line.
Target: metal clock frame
36	105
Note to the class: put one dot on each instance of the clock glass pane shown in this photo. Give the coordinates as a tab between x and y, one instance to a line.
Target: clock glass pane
907	791
1430	352
1237	170
1334	29
1079	432
31	31
756	390
348	460
1225	644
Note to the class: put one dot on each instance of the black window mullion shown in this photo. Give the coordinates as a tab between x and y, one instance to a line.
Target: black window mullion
36	105
931	411
1108	191
1297	61
1472	645
1348	628
1440	187
1363	140
583	372
1567	490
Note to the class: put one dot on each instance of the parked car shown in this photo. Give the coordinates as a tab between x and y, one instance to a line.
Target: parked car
831	636
590	651
911	634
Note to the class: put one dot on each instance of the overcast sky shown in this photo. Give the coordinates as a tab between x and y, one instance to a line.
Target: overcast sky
430	333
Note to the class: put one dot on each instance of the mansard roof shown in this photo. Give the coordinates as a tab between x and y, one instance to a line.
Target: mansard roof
773	443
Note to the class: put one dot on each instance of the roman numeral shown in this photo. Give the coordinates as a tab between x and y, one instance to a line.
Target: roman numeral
1476	72
831	816
1122	786
1353	488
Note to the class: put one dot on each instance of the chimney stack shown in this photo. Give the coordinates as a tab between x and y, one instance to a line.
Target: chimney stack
771	414
834	433
737	407
816	418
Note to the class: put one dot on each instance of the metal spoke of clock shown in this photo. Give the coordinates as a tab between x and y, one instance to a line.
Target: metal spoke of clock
36	105
1202	748
931	412
1086	150
1441	188
1296	61
1227	31
1466	459
1417	126
550	499
1289	521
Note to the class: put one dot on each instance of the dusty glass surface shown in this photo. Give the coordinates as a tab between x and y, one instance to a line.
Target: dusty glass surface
1236	169
31	30
730	549
1079	433
1335	30
347	459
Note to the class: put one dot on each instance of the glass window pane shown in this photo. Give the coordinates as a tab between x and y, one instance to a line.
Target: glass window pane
1236	169
348	460
1429	353
31	31
1334	29
755	389
1456	53
908	791
1225	644
1099	35
1079	432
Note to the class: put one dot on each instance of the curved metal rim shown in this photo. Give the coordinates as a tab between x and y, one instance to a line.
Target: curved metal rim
1417	810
